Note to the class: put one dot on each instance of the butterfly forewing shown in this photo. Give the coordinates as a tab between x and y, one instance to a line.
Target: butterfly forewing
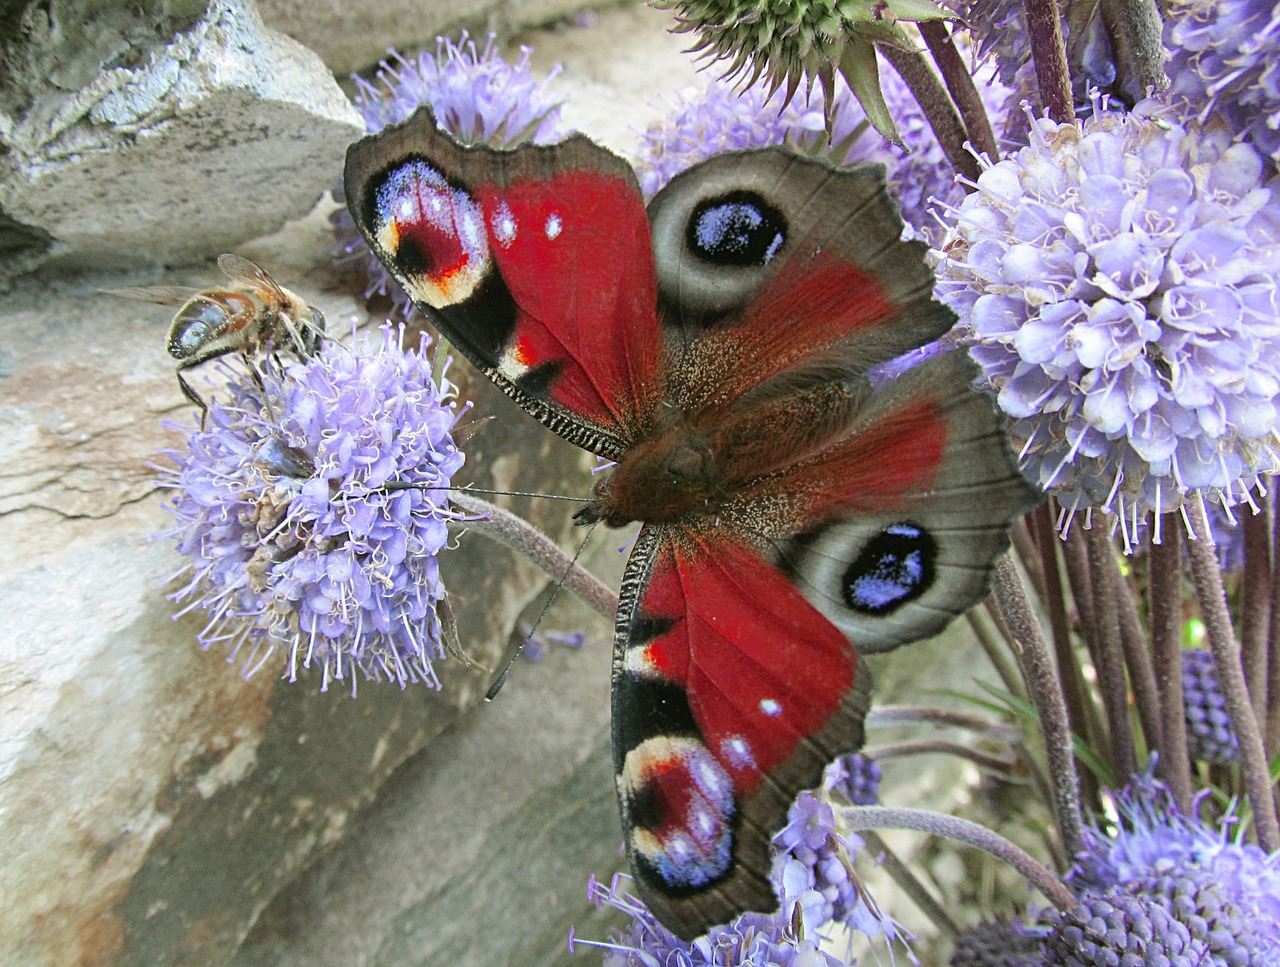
535	263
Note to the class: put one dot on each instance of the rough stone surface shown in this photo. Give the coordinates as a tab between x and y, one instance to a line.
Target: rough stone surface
162	148
352	37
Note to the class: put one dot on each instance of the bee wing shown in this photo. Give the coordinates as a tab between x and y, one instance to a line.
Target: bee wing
240	269
161	295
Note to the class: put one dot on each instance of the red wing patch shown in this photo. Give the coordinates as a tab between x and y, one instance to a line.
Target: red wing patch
573	251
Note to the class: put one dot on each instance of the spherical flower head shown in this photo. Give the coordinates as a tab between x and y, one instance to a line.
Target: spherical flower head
1153	850
475	95
1210	736
312	509
1225	62
1116	281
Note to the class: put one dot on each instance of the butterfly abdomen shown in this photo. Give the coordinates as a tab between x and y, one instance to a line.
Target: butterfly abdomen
664	479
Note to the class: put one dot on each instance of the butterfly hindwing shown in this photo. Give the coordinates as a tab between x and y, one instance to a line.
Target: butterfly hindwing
723	711
535	263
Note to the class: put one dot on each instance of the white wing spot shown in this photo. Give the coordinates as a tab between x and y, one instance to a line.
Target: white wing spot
554	225
504	225
771	707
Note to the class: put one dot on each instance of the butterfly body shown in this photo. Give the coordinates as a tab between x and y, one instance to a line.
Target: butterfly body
716	347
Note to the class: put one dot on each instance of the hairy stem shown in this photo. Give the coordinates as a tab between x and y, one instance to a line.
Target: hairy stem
963	91
1255	612
521	536
1226	654
1165	604
862	818
1046	696
1044	24
1135	27
1083	711
1137	655
936	105
1000	765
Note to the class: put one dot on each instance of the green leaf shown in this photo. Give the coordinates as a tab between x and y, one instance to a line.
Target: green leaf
860	70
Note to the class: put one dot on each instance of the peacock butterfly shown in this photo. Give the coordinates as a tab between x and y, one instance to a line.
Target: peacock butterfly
716	347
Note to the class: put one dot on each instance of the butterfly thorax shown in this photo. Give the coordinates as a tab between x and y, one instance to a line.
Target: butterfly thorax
671	475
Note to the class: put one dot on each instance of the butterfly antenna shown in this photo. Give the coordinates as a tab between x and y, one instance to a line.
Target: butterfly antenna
555	592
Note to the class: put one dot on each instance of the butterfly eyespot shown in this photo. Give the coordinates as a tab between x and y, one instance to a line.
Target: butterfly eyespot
894	567
432	233
736	229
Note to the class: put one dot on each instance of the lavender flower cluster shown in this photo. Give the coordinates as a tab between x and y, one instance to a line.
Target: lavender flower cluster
1117	282
312	508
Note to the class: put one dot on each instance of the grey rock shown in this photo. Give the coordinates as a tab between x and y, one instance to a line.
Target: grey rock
146	146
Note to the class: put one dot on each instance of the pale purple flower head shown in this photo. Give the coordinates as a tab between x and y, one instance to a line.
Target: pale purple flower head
475	95
1225	62
1116	281
312	508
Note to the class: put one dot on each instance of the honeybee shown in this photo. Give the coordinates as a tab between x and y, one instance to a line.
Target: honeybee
252	312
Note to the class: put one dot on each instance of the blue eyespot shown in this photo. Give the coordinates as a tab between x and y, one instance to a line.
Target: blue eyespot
736	229
895	566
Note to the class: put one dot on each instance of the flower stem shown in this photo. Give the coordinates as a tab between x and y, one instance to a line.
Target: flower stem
936	105
883	716
1044	24
1255	610
1083	711
1046	696
1135	28
910	883
521	536
960	85
1109	654
1001	766
1164	602
1226	654
1137	655
1273	658
996	652
861	818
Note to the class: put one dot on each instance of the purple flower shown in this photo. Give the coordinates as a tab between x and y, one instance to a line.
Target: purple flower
998	943
1153	844
311	511
855	777
1225	62
812	872
475	95
1117	283
1210	736
752	940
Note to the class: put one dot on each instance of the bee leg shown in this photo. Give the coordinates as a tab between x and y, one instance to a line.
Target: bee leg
187	391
